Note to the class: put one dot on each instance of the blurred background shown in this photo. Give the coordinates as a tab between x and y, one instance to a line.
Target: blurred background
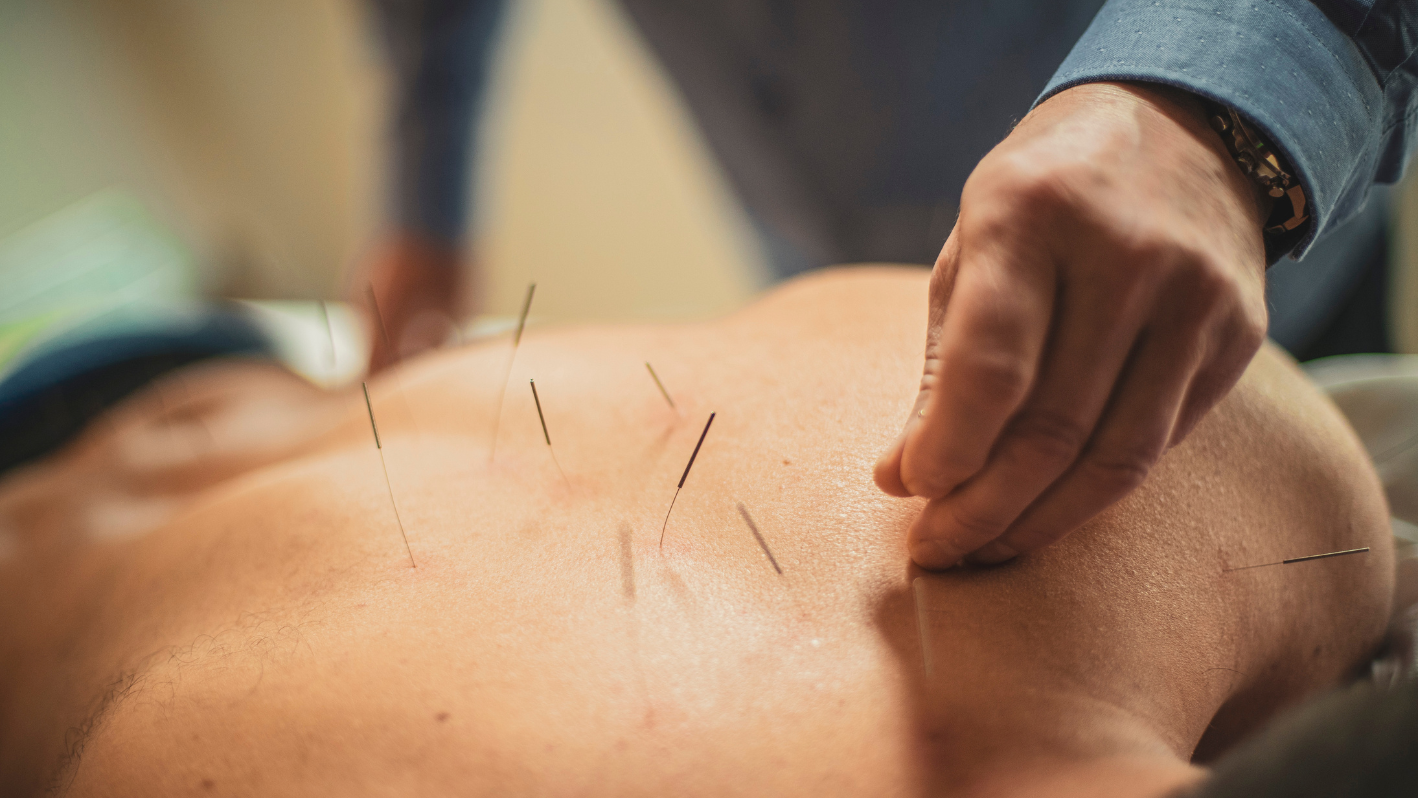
256	131
256	134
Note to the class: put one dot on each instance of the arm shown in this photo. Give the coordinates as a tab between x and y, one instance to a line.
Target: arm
439	56
1104	285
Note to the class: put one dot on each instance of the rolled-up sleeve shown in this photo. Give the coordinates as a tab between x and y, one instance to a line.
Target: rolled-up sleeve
1331	82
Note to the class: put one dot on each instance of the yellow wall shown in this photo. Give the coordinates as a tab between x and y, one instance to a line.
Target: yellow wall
255	129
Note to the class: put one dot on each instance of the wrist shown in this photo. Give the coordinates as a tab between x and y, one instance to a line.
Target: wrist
1180	122
1196	114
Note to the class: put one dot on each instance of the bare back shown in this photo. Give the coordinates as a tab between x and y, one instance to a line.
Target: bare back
272	637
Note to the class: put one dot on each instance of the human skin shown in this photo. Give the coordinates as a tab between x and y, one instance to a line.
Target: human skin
419	285
270	637
1102	289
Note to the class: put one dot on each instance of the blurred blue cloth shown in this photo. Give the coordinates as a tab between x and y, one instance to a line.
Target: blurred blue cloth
52	392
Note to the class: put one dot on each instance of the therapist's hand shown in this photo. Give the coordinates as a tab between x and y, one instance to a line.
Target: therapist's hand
1102	289
417	287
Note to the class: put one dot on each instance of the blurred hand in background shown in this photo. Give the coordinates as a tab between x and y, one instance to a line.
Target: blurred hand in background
417	287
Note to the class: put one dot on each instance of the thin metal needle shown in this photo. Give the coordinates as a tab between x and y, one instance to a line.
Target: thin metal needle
516	340
918	592
666	393
1300	559
752	527
545	434
522	320
379	321
543	418
390	485
384	333
683	477
1322	556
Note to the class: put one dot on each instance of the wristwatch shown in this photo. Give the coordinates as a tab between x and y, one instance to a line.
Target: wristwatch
1267	169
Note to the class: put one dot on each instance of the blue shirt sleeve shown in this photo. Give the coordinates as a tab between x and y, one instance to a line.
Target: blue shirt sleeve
439	51
1330	82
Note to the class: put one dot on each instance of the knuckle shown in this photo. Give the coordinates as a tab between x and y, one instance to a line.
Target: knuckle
942	278
932	487
1254	321
1022	180
972	529
992	376
1118	471
935	476
1210	286
1050	436
1149	248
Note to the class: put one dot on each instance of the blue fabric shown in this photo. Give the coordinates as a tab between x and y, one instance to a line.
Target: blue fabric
1334	91
440	52
203	331
61	384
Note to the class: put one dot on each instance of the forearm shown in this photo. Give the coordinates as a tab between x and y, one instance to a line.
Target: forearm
439	53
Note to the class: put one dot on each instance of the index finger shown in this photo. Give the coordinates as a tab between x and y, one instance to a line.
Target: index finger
982	366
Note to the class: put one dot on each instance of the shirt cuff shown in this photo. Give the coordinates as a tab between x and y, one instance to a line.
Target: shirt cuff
1280	63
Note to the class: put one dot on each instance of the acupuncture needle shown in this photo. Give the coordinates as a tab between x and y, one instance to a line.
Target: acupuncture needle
661	385
752	527
379	321
516	341
545	434
918	593
390	485
1294	560
384	333
683	477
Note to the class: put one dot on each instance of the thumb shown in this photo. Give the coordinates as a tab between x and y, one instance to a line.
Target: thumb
887	473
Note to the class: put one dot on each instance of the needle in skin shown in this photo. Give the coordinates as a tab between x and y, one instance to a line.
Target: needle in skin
379	321
369	406
661	385
383	333
684	477
1300	559
752	527
545	434
918	592
516	341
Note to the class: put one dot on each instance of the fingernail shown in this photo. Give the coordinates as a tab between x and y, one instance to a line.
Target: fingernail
992	554
932	555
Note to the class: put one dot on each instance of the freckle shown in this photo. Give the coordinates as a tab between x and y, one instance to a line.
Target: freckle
786	462
441	717
208	784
